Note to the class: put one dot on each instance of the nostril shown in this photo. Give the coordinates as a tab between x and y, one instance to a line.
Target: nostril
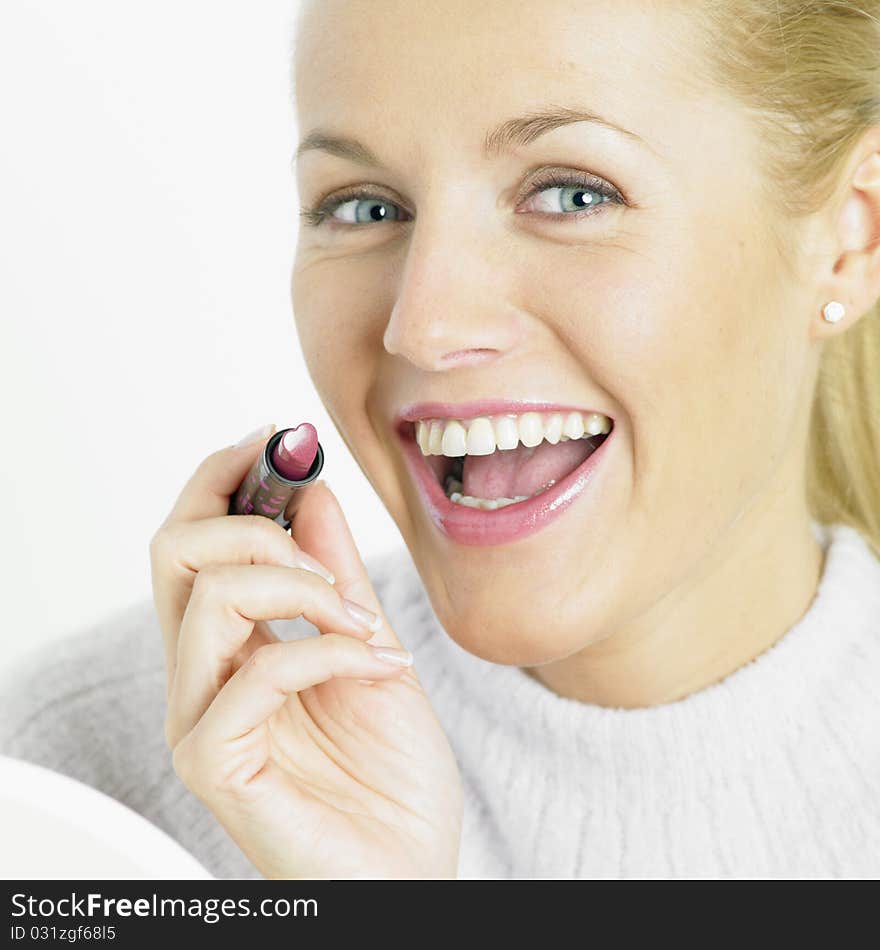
467	357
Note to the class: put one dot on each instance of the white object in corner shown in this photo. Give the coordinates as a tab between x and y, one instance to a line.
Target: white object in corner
54	827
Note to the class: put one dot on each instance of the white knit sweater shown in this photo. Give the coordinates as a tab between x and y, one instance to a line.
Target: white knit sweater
773	772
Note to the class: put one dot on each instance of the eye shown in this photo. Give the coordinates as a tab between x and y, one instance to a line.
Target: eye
365	211
569	195
354	207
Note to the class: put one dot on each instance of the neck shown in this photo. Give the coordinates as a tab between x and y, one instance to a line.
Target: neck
760	582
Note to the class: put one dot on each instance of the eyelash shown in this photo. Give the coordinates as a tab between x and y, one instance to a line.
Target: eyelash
314	217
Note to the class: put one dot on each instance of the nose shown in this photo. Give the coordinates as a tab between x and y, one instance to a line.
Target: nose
451	310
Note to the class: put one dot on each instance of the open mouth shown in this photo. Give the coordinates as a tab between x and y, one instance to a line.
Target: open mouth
497	479
497	461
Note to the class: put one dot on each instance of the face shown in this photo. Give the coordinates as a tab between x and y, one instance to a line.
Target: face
630	275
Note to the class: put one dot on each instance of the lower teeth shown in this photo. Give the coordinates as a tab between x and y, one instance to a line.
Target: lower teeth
453	489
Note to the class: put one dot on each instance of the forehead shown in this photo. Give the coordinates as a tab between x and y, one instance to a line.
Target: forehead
418	70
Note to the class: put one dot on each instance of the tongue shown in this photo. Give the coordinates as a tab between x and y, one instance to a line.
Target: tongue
507	473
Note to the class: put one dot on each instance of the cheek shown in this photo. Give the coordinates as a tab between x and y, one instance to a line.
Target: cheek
340	334
691	346
333	324
721	425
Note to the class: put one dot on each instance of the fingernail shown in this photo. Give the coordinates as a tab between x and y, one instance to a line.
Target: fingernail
390	655
255	436
370	620
308	563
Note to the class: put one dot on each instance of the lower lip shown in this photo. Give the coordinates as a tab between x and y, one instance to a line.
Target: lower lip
474	526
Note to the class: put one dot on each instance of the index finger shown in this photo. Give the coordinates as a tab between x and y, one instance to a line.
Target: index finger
217	478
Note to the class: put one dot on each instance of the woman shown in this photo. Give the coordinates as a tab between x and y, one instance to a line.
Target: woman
652	234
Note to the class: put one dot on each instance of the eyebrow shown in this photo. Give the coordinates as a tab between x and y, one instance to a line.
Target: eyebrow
521	130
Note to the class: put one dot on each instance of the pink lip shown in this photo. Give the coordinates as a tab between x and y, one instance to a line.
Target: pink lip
473	526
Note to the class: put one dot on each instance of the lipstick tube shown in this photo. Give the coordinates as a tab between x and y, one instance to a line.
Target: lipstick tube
265	491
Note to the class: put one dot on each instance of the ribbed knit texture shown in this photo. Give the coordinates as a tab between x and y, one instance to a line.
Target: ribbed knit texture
773	772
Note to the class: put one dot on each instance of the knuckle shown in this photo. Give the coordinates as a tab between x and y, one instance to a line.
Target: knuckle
312	590
208	580
316	585
269	541
170	732
255	526
164	542
191	766
159	541
263	527
182	760
262	660
338	646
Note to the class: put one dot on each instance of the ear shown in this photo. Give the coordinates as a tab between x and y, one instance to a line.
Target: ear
855	274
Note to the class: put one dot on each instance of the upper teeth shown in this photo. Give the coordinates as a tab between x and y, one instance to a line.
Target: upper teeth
485	434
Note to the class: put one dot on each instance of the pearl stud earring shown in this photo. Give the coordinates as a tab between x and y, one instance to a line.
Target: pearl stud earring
833	311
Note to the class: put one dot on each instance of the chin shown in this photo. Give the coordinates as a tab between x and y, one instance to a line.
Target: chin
512	638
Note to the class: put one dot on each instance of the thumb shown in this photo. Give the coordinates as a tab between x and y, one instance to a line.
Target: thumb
319	527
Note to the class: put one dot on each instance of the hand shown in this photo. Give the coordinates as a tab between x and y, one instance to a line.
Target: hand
313	772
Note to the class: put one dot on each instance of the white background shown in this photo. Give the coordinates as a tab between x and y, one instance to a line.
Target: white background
148	218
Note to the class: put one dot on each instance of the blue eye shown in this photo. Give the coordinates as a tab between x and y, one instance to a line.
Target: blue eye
365	211
578	194
360	207
572	198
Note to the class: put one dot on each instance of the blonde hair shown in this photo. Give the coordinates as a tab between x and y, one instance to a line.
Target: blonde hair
808	71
